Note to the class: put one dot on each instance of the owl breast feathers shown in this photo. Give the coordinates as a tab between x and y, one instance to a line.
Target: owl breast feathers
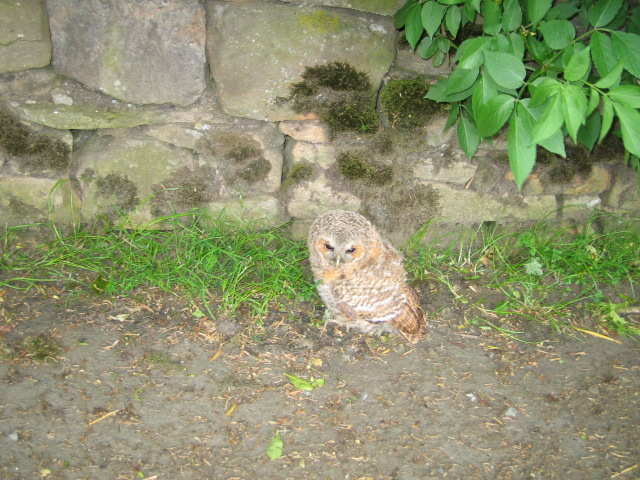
362	277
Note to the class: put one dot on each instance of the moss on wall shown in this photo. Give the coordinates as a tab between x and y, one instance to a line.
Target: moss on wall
355	165
31	151
121	192
404	104
341	95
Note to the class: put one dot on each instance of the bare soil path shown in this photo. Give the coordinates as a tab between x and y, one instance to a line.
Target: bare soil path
145	387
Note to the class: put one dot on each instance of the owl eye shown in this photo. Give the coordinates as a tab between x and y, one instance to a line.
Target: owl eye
350	250
328	247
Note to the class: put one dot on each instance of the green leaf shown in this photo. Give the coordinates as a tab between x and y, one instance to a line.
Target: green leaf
492	17
427	47
578	66
538	50
613	77
574	109
461	79
558	34
468	136
522	152
505	69
454	113
516	45
276	447
302	384
544	90
537	9
484	91
627	95
634	21
630	126
594	101
413	26
469	54
603	11
438	58
603	54
588	134
607	118
628	44
564	10
555	144
452	20
432	14
493	115
512	16
400	17
550	121
471	9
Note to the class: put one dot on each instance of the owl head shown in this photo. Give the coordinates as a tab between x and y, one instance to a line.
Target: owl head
342	239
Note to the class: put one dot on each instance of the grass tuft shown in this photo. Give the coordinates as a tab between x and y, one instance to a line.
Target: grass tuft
206	258
563	277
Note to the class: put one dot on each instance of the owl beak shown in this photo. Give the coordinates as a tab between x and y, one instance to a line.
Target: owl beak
337	261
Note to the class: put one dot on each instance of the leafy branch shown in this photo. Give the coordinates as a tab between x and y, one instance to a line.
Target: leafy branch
544	70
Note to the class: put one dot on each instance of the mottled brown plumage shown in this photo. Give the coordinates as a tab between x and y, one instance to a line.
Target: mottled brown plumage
362	277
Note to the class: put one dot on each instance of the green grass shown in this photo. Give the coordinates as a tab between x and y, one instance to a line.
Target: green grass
555	275
579	277
199	258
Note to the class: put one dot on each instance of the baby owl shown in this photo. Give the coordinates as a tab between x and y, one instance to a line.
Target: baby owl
362	277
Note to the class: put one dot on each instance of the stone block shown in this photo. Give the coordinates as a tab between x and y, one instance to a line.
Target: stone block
28	200
150	172
321	190
468	207
382	7
253	63
24	36
444	169
143	51
313	131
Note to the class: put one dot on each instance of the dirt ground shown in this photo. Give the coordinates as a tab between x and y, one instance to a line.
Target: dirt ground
147	387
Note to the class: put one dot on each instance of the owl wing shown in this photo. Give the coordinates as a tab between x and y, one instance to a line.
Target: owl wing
400	304
410	320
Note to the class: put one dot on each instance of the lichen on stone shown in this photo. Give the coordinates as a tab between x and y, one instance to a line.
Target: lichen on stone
341	95
401	205
320	22
121	191
185	190
404	104
255	171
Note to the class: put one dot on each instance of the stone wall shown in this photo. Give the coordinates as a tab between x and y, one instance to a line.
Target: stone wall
135	109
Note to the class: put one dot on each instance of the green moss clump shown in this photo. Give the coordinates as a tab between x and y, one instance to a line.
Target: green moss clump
120	188
342	96
299	172
355	167
36	151
356	116
404	104
255	171
337	76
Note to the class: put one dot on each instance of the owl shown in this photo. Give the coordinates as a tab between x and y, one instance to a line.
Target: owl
361	277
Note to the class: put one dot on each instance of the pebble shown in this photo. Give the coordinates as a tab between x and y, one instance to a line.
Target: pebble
510	412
